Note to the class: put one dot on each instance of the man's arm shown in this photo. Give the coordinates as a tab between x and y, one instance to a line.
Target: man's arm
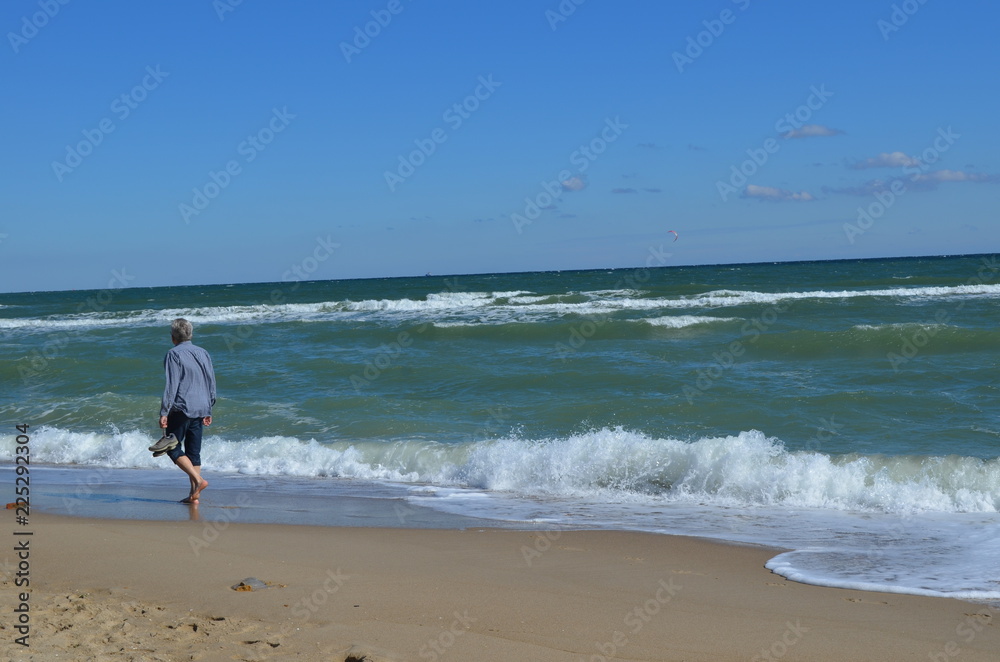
211	381
172	371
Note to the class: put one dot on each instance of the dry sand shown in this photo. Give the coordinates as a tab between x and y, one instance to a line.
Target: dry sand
136	590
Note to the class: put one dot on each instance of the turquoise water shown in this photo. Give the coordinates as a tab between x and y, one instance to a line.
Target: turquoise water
773	403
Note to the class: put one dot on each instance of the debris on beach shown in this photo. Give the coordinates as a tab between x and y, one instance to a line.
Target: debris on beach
253	584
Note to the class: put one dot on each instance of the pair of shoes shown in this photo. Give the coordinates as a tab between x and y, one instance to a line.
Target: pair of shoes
166	443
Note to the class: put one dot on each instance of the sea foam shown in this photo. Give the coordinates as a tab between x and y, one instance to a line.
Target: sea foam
617	465
921	525
501	306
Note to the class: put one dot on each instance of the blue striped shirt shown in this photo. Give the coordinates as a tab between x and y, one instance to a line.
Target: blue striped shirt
190	385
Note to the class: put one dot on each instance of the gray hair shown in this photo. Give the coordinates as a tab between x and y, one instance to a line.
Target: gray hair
180	330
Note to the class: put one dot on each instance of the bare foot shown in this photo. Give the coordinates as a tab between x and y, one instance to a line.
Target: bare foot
193	497
201	486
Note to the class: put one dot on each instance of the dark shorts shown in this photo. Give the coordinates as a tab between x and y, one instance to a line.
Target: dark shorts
188	432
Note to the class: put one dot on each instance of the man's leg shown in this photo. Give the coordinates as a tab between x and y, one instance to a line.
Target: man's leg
192	452
194	474
188	431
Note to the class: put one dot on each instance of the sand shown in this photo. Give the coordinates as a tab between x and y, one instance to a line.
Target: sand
156	590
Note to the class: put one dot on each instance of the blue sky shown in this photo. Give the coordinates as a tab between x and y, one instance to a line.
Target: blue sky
196	142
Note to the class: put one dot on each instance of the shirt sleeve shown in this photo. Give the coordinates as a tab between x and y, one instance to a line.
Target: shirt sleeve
211	378
172	370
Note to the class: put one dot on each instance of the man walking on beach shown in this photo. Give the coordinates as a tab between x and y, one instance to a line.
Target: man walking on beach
187	402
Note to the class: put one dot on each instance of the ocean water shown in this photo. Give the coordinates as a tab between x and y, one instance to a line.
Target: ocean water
846	411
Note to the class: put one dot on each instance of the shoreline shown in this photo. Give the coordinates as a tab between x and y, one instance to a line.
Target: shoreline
154	495
161	590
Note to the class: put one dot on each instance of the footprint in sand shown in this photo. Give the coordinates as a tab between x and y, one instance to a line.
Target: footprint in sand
867	602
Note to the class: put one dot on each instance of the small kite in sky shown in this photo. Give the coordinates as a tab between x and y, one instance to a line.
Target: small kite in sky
676	236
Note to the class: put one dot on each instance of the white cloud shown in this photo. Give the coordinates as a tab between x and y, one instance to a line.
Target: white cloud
776	194
952	176
867	188
812	131
928	181
888	160
574	184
